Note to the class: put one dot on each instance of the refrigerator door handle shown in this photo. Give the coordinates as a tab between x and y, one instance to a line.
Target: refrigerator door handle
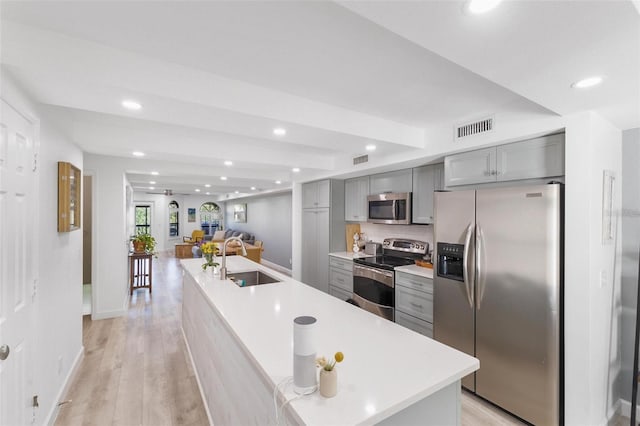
465	265
479	260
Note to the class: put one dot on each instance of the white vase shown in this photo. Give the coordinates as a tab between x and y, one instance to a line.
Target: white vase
328	383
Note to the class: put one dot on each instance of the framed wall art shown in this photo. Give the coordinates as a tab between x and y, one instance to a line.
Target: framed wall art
69	185
240	213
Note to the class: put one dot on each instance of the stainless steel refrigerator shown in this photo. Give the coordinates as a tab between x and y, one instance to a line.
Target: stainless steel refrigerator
498	293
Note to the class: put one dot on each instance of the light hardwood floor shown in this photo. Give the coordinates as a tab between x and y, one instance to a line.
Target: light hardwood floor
136	369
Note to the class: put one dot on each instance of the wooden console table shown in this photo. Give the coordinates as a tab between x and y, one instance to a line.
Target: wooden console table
140	271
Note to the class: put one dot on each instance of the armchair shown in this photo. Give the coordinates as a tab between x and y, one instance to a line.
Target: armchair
196	236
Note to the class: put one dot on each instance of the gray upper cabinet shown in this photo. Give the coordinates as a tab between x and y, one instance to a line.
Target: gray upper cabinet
470	167
426	180
535	158
316	194
530	159
355	199
398	181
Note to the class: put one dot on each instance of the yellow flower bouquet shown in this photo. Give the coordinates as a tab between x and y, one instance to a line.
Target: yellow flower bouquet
209	250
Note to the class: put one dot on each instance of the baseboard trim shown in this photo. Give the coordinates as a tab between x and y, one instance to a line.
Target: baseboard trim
195	370
73	371
277	267
625	409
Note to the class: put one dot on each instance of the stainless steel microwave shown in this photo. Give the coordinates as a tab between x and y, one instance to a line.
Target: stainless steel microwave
390	208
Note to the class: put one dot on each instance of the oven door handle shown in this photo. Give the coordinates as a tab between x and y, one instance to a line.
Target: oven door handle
382	276
465	266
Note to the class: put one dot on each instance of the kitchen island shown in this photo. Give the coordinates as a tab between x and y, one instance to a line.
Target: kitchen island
240	341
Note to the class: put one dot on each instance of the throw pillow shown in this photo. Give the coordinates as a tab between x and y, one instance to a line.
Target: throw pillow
219	235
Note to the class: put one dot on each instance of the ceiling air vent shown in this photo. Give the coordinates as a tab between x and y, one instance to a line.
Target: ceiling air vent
468	129
360	160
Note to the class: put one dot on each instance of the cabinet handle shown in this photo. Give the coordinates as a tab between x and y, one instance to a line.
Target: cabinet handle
488	172
415	305
339	279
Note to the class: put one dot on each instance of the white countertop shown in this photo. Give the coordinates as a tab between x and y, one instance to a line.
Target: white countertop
386	367
348	255
416	270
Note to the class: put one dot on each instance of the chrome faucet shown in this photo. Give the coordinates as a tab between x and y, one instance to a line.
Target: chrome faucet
223	268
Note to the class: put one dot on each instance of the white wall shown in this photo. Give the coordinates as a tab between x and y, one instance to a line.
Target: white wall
592	272
160	218
630	253
269	219
110	237
195	201
58	305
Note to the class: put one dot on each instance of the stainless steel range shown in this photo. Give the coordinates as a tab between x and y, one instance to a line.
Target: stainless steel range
374	277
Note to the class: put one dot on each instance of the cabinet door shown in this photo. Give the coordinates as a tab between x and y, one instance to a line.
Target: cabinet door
309	248
340	293
398	181
470	167
323	193
423	187
355	199
322	248
415	303
534	158
310	195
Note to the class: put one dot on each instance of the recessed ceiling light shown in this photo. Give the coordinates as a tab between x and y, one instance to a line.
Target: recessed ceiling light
132	105
208	193
155	173
153	182
295	169
478	7
587	82
197	190
237	192
228	163
279	131
152	187
253	188
278	182
370	147
223	178
138	153
207	185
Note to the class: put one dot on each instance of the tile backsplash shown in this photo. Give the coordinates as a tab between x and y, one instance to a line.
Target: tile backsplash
377	232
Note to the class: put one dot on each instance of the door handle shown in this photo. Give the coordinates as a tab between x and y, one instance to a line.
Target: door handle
4	352
465	265
479	260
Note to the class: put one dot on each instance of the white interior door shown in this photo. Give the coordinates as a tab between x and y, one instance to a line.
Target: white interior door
18	265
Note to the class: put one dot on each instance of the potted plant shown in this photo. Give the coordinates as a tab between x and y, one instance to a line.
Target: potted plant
329	375
144	243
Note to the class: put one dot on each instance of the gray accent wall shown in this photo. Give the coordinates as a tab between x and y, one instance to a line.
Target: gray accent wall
630	251
269	219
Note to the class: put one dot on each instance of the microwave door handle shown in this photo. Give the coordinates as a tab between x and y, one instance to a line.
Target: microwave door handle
465	266
395	209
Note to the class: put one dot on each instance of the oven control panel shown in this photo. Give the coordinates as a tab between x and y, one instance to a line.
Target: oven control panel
410	246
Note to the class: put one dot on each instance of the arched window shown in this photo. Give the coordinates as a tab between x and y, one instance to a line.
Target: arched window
210	217
174	219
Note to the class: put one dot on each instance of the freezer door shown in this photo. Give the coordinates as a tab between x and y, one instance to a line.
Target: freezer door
518	300
453	312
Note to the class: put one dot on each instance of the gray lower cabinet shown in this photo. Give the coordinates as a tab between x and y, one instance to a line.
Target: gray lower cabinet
530	159
340	277
414	303
396	181
426	180
322	230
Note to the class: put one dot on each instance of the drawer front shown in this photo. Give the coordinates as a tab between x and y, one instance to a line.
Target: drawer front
419	326
341	279
415	303
415	282
339	293
336	262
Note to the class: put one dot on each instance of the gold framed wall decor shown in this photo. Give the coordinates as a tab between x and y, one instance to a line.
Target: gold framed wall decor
69	185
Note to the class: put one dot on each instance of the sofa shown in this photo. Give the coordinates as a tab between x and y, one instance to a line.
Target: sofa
245	236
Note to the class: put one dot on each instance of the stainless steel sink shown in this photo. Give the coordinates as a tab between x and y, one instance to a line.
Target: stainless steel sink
249	278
